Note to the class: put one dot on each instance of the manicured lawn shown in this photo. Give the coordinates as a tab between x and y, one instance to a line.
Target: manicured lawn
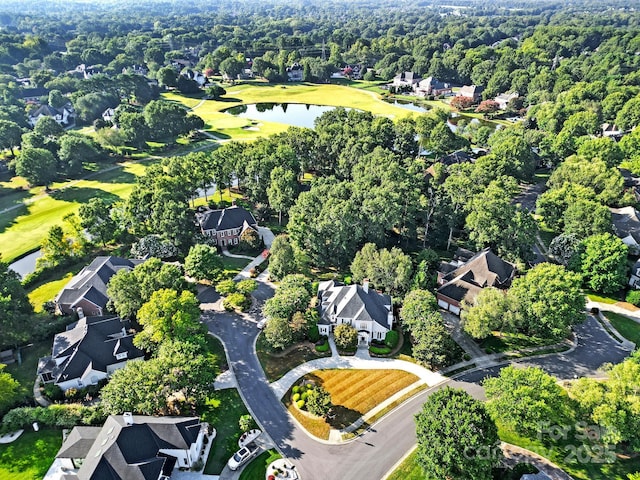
408	469
23	229
627	327
506	342
25	373
257	469
353	394
597	297
223	411
47	292
276	366
232	266
567	453
30	456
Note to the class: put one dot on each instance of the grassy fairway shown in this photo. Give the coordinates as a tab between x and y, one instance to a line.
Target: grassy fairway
227	126
22	229
30	456
353	394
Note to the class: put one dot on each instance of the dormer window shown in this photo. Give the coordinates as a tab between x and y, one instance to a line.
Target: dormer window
121	356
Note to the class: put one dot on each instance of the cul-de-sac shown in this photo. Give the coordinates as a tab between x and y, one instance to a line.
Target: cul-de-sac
319	240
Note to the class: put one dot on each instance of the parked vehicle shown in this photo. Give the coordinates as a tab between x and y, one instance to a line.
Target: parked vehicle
262	323
243	455
248	437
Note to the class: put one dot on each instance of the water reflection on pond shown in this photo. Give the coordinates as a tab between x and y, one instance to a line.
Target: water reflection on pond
295	114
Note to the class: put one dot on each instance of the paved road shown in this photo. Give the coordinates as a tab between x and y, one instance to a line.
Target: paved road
375	452
379	449
595	347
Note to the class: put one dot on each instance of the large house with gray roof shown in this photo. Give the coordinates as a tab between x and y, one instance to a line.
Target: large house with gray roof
463	280
86	292
133	447
90	350
370	312
626	225
225	226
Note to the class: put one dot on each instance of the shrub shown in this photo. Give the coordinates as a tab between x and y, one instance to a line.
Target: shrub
253	273
296	389
379	350
391	339
634	297
322	348
304	395
226	287
53	416
296	397
313	333
246	286
53	392
197	465
300	403
236	301
310	386
71	393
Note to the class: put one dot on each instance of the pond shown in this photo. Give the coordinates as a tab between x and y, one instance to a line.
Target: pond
408	105
294	114
26	264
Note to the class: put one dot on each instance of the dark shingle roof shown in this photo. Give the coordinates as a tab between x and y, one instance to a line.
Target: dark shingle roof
79	442
354	302
91	282
91	345
226	219
123	451
626	222
484	269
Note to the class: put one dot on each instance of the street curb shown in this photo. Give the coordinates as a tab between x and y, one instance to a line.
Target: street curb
399	462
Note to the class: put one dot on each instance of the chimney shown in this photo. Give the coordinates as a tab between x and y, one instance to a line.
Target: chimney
128	418
365	285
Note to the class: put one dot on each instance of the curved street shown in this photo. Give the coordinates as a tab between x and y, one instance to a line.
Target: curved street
374	453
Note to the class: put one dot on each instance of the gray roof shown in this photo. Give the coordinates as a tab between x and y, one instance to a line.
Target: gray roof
91	343
79	442
226	219
431	83
132	452
411	77
91	282
626	222
353	302
471	90
484	269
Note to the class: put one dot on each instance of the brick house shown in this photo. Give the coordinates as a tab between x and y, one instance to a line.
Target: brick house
463	279
226	225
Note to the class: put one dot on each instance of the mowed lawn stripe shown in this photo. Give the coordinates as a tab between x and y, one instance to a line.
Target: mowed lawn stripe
25	232
361	390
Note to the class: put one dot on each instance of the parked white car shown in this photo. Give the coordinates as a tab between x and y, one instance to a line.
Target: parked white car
242	456
262	323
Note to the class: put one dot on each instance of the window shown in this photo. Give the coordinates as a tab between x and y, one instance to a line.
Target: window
222	233
235	241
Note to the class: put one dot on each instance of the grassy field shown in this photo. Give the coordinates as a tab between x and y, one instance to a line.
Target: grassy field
30	456
228	127
47	292
257	469
353	394
223	412
625	326
22	229
276	366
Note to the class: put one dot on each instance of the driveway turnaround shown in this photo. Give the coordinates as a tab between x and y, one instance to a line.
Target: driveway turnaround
373	454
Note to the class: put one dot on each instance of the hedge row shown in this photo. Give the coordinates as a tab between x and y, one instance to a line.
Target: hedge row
65	416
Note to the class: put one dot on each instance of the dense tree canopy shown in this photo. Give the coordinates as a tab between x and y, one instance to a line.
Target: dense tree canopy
457	439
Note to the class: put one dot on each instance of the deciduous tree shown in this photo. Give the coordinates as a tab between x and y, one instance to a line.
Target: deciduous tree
457	439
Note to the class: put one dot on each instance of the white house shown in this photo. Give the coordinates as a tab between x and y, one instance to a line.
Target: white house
133	447
370	312
504	98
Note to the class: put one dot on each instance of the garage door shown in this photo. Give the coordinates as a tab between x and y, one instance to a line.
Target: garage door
443	304
455	310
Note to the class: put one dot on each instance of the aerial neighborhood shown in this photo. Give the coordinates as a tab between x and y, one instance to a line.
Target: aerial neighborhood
319	240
